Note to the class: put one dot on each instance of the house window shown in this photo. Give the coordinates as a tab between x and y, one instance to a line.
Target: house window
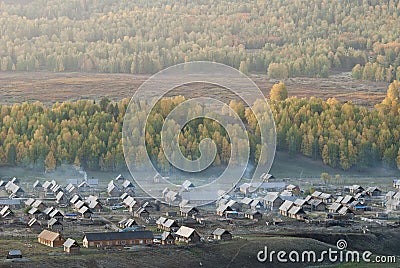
140	241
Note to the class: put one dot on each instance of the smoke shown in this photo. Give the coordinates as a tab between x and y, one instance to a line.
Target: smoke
84	174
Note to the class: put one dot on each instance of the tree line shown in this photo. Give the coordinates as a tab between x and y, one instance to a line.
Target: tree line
89	134
280	37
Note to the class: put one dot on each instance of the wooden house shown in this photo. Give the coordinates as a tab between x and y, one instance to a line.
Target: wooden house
284	208
222	234
272	201
296	212
189	211
71	246
295	189
188	235
373	191
50	239
253	215
54	225
167	238
335	207
169	225
57	214
245	202
317	205
61	198
85	212
34	213
35	225
39	205
6	212
141	213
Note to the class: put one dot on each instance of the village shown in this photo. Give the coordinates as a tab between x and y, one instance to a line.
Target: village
80	215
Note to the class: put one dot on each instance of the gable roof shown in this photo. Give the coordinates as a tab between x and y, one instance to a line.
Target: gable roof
48	235
316	194
300	202
220	231
119	177
46	184
29	201
5	211
286	205
296	210
165	235
169	223
53	221
79	204
347	199
325	196
271	197
60	195
141	210
84	184
48	210
187	184
186	232
335	206
37	184
84	210
56	212
373	189
161	220
390	194
70	243
187	209
74	199
33	211
128	184
37	203
33	221
344	210
129	201
316	203
130	222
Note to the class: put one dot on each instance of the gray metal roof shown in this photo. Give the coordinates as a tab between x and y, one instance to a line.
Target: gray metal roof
220	231
119	235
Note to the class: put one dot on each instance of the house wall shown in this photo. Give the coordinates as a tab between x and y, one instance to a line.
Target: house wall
104	243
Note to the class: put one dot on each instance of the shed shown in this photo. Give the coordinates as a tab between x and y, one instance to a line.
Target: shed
222	234
167	238
71	246
253	214
189	211
54	225
14	254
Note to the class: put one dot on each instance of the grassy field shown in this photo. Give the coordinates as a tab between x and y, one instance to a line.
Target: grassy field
57	87
240	252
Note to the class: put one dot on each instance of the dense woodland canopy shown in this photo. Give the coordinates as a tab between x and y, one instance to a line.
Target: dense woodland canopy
284	38
89	134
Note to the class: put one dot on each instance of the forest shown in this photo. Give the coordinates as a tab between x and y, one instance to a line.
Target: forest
89	134
280	38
